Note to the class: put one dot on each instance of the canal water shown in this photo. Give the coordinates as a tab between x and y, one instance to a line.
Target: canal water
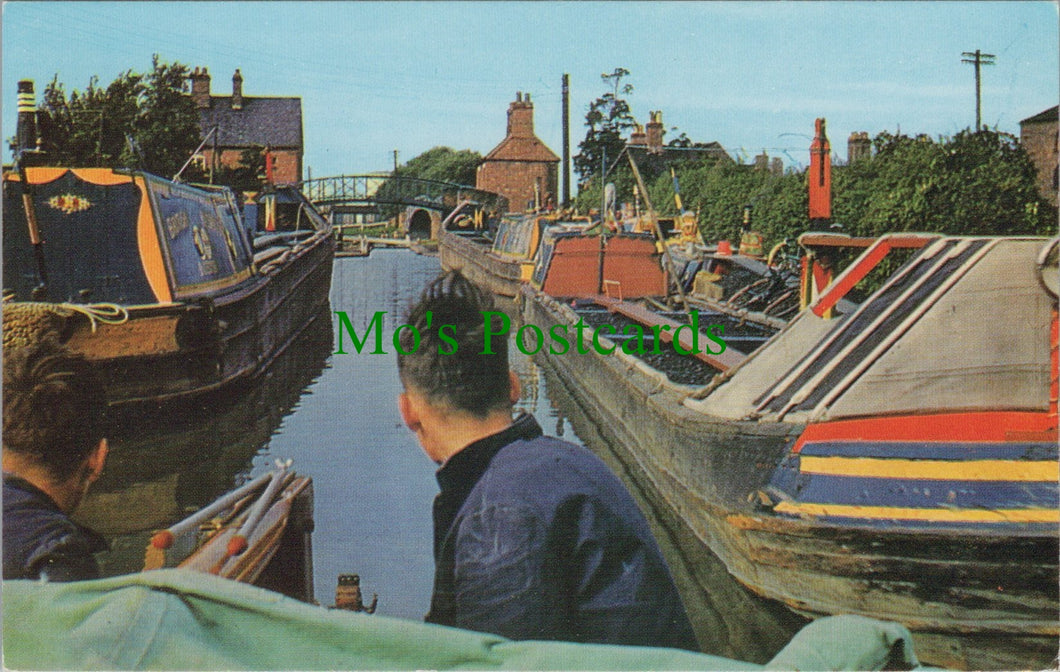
335	416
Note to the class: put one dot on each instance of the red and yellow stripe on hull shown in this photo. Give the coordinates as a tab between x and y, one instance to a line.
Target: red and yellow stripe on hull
965	469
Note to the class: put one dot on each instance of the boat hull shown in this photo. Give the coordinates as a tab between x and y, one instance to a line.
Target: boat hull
480	264
958	591
177	351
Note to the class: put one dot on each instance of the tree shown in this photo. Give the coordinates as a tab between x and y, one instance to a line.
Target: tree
987	186
89	128
438	163
139	121
444	164
609	119
167	124
975	183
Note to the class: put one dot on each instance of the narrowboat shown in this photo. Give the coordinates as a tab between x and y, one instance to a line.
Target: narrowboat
167	288
500	257
894	458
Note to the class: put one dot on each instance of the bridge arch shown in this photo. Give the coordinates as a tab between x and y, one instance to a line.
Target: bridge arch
419	223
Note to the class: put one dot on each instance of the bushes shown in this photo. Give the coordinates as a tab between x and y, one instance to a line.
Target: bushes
971	184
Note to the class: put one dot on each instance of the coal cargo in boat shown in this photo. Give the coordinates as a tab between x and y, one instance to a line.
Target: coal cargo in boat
159	283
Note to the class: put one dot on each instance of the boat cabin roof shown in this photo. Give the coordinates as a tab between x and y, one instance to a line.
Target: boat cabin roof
119	237
964	325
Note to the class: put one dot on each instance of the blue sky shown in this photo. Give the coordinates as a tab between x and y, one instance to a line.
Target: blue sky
408	76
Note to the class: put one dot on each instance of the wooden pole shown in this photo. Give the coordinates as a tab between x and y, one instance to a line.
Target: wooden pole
566	140
658	231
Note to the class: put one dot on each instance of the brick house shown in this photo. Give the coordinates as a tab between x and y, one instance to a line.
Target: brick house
521	167
1040	136
250	122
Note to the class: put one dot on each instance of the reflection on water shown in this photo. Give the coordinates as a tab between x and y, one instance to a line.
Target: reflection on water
373	485
336	417
165	463
729	620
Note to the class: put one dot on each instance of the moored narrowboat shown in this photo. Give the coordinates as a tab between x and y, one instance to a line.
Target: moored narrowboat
160	284
896	458
500	257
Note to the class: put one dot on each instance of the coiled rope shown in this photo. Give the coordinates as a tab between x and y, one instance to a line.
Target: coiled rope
28	322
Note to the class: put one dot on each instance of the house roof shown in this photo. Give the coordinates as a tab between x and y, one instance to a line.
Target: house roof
1049	115
273	122
666	155
521	148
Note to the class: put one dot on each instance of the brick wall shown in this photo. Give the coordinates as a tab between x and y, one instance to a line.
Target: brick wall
516	179
1042	142
286	166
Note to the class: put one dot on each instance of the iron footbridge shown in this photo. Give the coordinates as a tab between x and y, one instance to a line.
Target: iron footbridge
386	189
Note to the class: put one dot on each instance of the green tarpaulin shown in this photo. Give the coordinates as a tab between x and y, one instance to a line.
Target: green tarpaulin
177	619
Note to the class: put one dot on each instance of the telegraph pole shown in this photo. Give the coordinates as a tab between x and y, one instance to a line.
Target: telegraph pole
566	140
977	58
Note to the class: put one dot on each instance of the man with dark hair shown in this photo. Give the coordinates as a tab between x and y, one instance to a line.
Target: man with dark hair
534	537
53	450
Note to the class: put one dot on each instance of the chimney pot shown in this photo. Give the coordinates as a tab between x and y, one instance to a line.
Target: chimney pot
638	137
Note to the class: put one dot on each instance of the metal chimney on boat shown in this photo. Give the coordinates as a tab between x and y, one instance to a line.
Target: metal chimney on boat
27	117
820	176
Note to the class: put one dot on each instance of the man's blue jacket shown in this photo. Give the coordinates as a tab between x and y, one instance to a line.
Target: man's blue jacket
40	541
535	538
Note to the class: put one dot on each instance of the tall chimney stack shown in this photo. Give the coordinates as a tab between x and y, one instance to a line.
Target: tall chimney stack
654	131
237	91
820	181
521	117
200	87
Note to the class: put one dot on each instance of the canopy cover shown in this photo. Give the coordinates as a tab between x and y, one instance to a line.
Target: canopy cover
176	619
